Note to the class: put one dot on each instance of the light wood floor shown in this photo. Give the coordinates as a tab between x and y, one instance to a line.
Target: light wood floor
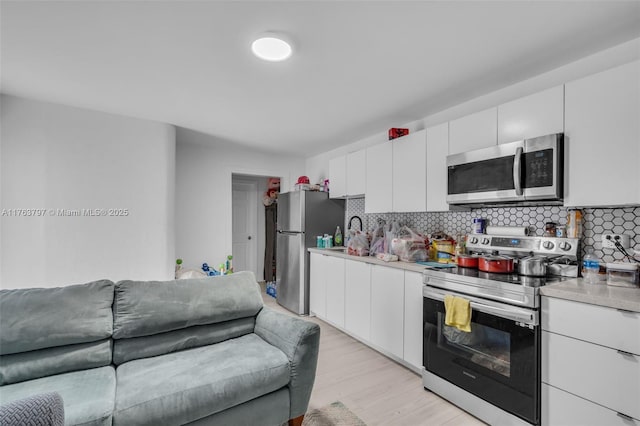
375	388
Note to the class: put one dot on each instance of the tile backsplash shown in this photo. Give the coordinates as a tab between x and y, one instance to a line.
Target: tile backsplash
623	220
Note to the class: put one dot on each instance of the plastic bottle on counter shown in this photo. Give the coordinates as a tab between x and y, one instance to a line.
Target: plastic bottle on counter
591	268
337	238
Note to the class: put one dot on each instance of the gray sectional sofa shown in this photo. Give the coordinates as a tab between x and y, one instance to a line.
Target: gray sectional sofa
199	352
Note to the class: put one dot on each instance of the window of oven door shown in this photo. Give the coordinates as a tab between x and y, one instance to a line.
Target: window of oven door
497	361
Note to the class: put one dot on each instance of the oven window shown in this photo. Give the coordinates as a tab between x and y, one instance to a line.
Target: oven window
485	346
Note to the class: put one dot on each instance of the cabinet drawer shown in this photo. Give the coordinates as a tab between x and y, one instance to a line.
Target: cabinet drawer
593	372
562	408
598	324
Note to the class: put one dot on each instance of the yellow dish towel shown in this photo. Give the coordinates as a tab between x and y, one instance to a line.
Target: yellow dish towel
458	312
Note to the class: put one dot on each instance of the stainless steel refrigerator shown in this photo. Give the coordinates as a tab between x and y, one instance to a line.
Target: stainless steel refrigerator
302	215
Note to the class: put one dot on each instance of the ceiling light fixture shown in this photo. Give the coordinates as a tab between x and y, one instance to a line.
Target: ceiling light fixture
271	47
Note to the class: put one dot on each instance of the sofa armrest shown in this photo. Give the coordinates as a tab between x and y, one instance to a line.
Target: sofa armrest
40	409
300	341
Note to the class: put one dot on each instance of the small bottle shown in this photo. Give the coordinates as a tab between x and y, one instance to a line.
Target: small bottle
337	238
590	268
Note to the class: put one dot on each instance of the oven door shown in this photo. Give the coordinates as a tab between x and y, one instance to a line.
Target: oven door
498	361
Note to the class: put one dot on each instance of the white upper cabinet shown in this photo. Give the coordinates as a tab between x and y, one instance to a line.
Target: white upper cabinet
338	177
379	191
410	172
356	173
602	138
475	131
437	150
536	115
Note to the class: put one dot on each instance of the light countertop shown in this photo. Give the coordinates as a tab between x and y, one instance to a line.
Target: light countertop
407	266
575	289
600	294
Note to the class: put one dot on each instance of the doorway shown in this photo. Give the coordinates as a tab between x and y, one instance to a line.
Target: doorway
252	233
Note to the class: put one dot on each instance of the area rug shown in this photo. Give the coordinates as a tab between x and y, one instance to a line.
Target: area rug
334	414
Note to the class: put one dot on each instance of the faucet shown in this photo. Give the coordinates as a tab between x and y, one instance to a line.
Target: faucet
351	220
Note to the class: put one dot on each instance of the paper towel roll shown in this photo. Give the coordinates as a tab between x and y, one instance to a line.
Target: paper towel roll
508	230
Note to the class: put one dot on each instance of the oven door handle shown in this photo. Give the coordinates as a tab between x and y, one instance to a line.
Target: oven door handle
512	313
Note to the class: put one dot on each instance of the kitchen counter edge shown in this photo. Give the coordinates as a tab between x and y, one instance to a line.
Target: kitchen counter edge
601	294
407	266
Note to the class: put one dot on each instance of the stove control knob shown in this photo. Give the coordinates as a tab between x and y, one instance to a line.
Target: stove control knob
473	240
485	241
564	246
548	245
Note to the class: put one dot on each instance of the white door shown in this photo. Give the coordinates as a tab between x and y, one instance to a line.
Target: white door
245	224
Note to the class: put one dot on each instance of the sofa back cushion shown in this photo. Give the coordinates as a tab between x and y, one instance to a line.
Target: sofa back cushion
38	318
157	317
47	331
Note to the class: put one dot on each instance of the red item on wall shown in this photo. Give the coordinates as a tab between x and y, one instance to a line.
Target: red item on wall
396	132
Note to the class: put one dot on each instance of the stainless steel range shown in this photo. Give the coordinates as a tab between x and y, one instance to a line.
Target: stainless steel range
493	372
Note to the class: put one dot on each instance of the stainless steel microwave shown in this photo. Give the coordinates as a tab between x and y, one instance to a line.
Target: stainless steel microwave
525	171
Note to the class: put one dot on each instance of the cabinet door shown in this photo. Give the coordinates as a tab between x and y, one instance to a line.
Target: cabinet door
356	172
378	195
535	115
475	131
413	318
563	408
358	299
338	177
593	372
387	305
437	150
602	138
410	173
317	285
335	290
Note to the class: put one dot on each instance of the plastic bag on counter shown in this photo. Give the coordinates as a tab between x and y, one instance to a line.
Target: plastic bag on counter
377	240
409	246
358	244
391	231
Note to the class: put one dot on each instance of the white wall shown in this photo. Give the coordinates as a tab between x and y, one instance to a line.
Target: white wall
204	165
317	167
58	157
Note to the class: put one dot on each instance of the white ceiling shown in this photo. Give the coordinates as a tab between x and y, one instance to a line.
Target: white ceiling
360	67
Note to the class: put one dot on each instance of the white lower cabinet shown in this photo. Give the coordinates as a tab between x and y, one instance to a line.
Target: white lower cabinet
387	309
335	290
318	285
413	318
564	409
588	375
357	320
379	305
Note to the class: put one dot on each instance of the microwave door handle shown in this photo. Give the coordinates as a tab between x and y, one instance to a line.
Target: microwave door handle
517	171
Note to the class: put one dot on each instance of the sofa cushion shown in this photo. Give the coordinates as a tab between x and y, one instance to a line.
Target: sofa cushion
144	308
38	318
185	386
267	410
172	341
88	395
61	359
